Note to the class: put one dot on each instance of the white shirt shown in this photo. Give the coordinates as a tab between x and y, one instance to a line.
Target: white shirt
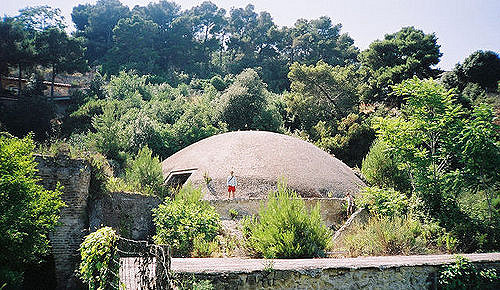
231	180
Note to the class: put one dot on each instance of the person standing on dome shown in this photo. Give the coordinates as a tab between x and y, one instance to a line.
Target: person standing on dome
231	184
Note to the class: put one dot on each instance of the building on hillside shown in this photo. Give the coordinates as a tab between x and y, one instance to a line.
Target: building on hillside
259	160
61	90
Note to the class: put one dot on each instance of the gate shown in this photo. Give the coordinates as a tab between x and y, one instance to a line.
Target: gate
143	265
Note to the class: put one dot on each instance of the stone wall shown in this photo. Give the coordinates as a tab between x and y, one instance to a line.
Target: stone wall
332	209
128	213
396	272
74	175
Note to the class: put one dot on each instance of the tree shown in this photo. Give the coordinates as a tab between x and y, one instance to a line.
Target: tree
481	68
183	219
30	113
423	138
40	18
245	102
446	151
60	52
135	46
96	23
145	173
399	56
80	16
28	212
321	92
319	39
208	24
16	48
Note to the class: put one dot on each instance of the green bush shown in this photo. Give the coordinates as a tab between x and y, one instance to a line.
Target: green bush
100	261
383	235
145	173
386	202
286	229
181	220
381	170
464	275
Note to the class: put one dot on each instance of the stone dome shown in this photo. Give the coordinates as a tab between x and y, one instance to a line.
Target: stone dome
259	160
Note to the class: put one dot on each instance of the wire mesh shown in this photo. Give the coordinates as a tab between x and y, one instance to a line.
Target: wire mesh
143	265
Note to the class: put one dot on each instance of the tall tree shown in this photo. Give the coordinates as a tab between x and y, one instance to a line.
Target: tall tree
96	23
16	48
208	24
319	39
135	46
40	18
80	16
446	150
321	92
60	52
399	56
481	67
244	105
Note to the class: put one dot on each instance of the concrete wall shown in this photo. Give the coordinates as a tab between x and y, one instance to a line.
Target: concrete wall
396	272
128	213
74	175
332	209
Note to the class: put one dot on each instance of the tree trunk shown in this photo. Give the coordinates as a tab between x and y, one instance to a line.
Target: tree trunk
52	83
19	80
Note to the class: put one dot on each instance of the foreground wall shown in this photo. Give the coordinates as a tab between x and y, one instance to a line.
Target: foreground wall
396	272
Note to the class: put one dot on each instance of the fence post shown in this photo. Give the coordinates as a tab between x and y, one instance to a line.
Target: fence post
162	269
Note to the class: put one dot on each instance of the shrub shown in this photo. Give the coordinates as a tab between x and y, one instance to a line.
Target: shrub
285	228
464	275
100	262
145	173
380	169
186	217
397	236
386	202
203	248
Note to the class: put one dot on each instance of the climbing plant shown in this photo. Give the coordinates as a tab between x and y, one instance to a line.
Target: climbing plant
99	265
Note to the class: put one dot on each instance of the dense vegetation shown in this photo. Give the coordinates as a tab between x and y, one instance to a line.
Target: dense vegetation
28	212
154	79
464	275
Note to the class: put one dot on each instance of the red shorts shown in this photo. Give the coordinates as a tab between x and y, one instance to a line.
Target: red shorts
231	188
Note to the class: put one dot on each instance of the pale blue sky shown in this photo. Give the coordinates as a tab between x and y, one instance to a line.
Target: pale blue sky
461	26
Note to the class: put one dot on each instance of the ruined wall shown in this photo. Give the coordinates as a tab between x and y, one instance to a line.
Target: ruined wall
128	213
74	175
332	209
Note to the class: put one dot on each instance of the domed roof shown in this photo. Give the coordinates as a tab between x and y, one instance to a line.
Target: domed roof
259	160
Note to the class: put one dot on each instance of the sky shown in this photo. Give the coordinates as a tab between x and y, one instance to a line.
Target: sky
461	26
